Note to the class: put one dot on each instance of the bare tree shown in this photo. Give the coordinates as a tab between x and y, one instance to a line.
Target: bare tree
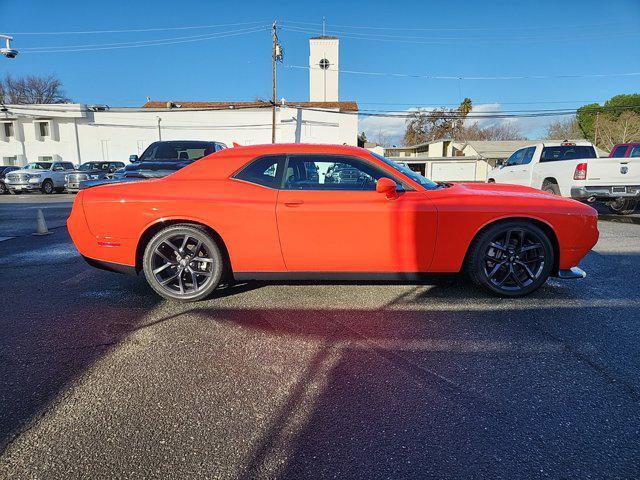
496	131
625	128
381	138
567	129
32	90
427	125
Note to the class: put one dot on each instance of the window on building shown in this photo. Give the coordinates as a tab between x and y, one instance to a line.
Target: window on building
44	129
8	130
10	160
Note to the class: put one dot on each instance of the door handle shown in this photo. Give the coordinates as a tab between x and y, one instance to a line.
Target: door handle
293	203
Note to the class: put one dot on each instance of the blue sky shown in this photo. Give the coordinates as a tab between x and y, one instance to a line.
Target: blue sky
458	38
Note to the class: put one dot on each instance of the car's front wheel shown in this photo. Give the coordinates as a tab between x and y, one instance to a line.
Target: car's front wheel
47	187
511	258
183	262
3	189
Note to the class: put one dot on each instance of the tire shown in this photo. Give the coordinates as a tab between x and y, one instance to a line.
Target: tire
47	187
623	206
507	270
491	180
183	262
550	187
3	189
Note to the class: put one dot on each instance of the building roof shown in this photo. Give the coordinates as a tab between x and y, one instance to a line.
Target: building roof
497	148
423	144
347	106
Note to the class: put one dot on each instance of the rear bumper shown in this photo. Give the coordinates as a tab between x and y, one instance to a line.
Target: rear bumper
605	192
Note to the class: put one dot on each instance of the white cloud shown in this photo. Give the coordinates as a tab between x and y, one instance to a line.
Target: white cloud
391	130
384	128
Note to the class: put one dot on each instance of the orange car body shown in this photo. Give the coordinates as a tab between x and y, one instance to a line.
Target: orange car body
273	232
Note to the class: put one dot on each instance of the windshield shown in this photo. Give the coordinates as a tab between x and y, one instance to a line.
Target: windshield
186	151
567	152
38	166
89	166
415	176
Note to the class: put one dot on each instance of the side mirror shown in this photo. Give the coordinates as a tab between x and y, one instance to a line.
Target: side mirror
387	186
133	158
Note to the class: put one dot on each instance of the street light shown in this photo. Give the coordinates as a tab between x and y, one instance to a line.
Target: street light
8	51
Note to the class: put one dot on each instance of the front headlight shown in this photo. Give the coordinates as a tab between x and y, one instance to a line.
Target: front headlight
33	178
94	177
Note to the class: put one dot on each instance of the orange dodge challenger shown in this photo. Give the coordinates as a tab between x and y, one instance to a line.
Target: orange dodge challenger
325	212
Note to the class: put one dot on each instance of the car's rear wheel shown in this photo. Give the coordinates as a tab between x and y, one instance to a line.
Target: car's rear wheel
623	206
47	187
183	262
551	187
511	258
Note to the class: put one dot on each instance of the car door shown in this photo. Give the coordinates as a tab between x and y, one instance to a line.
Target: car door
509	173
521	169
331	219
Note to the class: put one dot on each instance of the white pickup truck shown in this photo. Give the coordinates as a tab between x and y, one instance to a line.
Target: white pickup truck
573	169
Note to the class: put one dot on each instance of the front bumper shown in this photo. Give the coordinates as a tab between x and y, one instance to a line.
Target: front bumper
605	192
22	187
573	273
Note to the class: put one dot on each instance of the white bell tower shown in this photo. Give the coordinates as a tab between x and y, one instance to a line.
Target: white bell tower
323	69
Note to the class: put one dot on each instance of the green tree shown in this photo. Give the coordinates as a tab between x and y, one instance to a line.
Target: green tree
589	116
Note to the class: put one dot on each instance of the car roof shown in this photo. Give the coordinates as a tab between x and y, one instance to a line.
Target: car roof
275	148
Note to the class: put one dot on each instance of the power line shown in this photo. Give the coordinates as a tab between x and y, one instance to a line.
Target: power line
461	77
456	40
138	30
141	43
136	42
465	29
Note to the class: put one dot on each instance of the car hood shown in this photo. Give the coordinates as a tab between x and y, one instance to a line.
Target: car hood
514	194
27	171
166	165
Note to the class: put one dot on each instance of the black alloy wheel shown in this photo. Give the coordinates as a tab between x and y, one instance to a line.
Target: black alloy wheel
512	258
183	262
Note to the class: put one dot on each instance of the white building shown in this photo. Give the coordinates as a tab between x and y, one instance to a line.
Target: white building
453	160
324	65
81	133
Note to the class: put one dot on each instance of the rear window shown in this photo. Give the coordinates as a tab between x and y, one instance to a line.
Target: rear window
619	151
567	152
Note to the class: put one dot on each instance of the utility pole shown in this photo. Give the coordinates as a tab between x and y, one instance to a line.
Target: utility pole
276	56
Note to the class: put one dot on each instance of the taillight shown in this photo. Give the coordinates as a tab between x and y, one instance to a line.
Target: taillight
581	172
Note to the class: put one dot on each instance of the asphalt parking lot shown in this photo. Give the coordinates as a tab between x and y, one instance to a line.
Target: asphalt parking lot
101	378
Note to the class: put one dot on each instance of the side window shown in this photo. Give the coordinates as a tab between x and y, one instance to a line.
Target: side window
58	167
528	155
67	166
516	158
265	171
635	151
326	172
620	151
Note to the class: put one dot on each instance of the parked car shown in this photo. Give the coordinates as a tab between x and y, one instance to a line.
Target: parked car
625	150
260	212
90	171
4	169
572	169
47	177
160	159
